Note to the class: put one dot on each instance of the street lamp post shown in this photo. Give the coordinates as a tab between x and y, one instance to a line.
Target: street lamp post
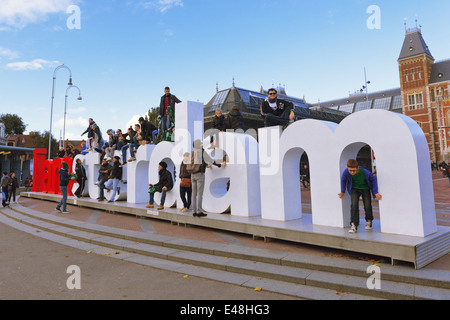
53	98
65	111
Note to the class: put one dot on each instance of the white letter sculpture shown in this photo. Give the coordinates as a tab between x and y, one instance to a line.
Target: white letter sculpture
403	166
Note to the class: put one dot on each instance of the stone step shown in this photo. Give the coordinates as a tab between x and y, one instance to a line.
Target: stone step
274	266
290	289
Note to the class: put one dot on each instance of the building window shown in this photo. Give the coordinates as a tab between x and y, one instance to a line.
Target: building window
433	95
412	74
419	70
406	76
347	108
397	103
383	103
415	101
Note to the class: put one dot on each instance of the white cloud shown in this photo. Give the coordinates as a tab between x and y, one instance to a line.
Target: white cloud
19	13
132	122
74	127
36	64
162	5
77	111
8	54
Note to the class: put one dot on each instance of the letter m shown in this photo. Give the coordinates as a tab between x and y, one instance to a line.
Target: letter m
403	167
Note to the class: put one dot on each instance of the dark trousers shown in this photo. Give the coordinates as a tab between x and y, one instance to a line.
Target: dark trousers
367	200
79	191
5	191
12	193
273	120
186	191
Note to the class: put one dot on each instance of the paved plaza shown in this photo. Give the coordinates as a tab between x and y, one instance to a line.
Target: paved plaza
35	268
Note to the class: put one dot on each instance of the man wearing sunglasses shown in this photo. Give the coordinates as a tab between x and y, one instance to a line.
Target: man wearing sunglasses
277	112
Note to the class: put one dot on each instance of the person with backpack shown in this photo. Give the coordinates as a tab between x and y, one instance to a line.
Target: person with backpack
199	161
164	185
64	187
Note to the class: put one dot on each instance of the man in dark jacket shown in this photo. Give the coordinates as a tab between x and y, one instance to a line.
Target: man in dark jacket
114	178
90	133
164	185
104	173
64	187
12	186
147	129
235	119
276	111
81	178
167	100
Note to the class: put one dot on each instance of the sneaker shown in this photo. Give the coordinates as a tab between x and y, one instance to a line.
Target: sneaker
110	201
150	206
369	225
201	214
195	214
101	200
353	229
132	159
184	210
58	209
160	207
65	211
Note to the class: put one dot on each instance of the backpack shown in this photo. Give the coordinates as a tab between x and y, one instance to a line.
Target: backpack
192	167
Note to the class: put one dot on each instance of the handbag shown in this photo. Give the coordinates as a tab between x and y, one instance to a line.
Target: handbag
152	189
185	182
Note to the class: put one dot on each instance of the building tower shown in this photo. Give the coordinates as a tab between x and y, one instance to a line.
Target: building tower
415	64
425	88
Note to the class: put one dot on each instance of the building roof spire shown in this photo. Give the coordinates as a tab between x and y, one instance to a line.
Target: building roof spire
414	44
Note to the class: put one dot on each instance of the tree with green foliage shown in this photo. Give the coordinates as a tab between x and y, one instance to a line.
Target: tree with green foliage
40	140
13	123
152	116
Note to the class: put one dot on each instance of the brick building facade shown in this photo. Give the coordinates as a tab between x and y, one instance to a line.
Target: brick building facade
425	86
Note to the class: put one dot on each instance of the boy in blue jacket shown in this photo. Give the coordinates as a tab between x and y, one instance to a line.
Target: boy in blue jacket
359	182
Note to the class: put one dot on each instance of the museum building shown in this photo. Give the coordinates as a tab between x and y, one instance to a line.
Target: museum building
423	95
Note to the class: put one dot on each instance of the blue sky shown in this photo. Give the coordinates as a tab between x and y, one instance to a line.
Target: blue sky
127	51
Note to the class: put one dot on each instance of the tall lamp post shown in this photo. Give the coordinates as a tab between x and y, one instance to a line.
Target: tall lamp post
53	98
65	110
365	86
